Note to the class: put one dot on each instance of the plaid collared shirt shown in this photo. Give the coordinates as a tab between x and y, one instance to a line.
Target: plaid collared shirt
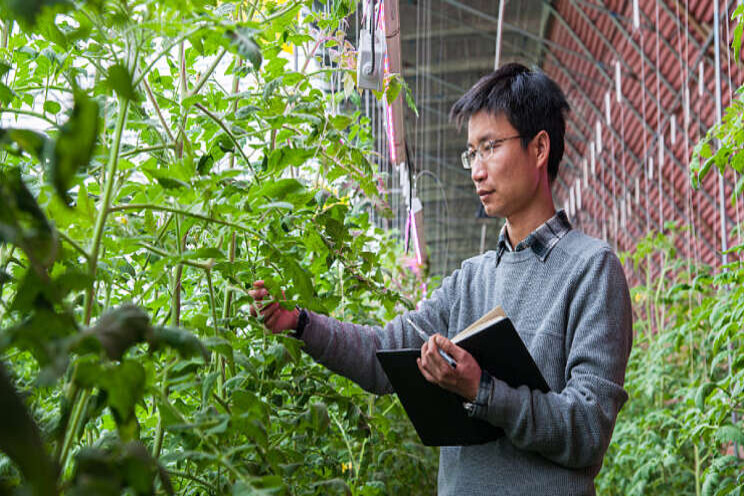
541	240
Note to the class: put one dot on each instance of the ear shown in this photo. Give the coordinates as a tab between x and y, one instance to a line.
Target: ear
542	148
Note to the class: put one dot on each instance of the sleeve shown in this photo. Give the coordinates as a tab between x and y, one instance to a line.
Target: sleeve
349	349
573	427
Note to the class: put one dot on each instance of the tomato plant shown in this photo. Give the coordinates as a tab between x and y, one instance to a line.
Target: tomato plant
157	157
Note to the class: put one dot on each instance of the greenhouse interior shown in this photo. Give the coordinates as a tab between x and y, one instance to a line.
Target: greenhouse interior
371	247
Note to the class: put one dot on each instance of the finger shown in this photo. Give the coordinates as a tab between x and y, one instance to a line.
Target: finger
258	284
272	321
426	354
425	372
269	310
450	348
430	361
434	358
258	294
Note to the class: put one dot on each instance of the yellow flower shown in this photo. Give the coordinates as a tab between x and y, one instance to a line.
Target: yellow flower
122	220
638	297
346	467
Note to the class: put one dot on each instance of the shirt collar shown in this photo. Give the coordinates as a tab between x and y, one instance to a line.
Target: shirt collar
541	240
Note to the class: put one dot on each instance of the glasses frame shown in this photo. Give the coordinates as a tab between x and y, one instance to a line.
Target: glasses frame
483	151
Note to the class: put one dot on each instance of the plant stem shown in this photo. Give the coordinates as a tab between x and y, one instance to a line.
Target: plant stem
206	74
146	149
230	135
193	478
347	442
7	28
213	308
206	218
159	429
234	107
228	291
29	113
73	426
157	110
103	208
163	253
74	244
228	298
176	291
165	50
697	471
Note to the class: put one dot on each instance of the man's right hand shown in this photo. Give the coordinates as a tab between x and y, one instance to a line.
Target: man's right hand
276	318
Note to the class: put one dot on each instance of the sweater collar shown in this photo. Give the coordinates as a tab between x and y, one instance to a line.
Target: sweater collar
541	240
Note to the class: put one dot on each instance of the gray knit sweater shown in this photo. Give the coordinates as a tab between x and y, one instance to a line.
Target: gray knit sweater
570	304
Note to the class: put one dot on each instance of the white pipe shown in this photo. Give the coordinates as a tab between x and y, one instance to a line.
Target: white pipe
499	29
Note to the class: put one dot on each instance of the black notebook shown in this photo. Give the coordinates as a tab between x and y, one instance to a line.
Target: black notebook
437	414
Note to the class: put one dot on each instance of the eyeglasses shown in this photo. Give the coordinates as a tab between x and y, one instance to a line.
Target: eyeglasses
483	152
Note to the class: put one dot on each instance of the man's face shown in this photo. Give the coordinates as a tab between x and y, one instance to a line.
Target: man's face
507	181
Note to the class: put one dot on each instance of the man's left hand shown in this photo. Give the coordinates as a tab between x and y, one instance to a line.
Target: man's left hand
463	380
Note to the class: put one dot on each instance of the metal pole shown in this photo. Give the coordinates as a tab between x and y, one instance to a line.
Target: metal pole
721	189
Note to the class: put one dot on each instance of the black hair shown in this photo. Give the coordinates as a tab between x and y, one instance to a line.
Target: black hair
530	101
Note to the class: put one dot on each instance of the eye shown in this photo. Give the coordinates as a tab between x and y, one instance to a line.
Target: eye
491	146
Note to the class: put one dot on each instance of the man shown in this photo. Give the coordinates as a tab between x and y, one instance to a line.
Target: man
565	292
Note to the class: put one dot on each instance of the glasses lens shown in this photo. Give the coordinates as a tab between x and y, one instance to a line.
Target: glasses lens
466	159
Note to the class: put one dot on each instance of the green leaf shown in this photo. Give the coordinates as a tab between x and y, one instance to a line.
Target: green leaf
702	394
277	204
27	11
182	341
7	95
730	434
243	43
18	140
119	80
75	143
124	385
23	223
168	413
208	385
736	43
52	107
20	440
206	162
393	90
121	328
340	121
302	282
282	158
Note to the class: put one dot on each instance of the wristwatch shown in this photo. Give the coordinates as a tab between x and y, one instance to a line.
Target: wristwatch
470	407
302	319
481	399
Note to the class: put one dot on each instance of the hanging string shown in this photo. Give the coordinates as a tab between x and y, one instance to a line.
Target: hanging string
699	136
731	99
442	207
690	192
658	126
645	134
685	74
622	155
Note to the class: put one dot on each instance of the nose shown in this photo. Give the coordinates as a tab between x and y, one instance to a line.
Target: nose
478	171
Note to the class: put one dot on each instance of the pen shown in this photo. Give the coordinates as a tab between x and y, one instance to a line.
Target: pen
425	337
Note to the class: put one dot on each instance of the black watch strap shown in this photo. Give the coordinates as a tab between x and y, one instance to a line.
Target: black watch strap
302	319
